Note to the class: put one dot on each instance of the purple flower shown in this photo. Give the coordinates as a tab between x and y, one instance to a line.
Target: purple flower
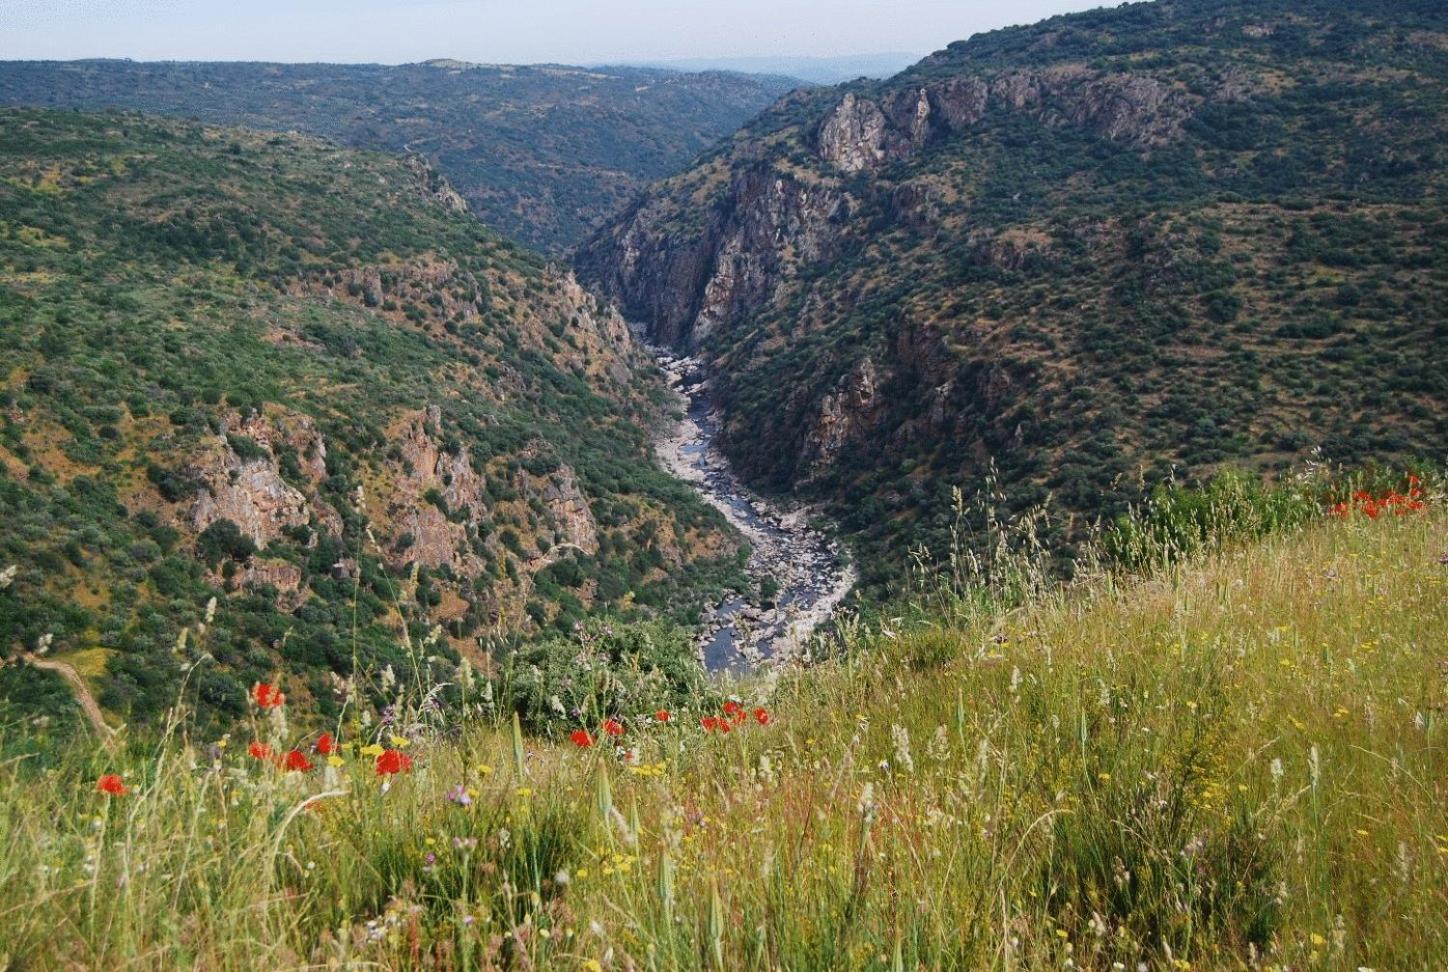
459	795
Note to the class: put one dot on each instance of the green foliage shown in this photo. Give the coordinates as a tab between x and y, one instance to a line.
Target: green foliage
604	669
1179	521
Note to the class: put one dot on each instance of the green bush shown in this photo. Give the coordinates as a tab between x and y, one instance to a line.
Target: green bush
605	669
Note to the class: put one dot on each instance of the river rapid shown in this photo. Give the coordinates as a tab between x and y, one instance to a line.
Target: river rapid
745	629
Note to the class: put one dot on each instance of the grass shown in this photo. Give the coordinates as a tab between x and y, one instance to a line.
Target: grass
1235	762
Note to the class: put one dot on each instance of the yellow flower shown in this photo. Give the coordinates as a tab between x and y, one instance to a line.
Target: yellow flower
399	742
335	760
1318	939
592	966
581	873
373	750
524	791
484	769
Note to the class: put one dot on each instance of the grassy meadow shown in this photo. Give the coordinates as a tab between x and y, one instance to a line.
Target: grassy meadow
1233	761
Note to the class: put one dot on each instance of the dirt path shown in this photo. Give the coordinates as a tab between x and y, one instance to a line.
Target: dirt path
82	691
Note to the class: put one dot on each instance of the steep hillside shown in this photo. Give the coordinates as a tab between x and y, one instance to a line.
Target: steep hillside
1182	233
297	378
542	153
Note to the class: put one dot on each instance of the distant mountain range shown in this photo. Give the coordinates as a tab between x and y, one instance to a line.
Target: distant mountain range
542	153
816	70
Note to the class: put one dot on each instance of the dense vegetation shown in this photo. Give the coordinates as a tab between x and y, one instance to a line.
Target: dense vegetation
1235	761
543	153
291	377
1088	253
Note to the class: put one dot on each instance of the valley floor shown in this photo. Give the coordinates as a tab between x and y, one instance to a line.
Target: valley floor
1239	764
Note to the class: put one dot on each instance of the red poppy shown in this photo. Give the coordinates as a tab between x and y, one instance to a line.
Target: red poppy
662	715
326	745
111	784
259	750
392	761
761	716
613	727
710	723
731	707
581	738
268	696
297	761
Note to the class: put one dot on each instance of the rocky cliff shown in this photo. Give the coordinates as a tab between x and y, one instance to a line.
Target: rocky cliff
1174	234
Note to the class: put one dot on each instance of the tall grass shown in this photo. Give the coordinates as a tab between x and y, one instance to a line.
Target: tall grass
1234	762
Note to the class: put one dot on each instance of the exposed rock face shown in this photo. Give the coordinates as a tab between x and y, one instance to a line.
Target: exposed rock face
249	492
426	467
573	526
284	577
853	136
437	538
684	287
436	186
845	418
860	135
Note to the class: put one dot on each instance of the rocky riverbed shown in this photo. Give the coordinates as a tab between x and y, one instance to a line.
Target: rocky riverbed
807	568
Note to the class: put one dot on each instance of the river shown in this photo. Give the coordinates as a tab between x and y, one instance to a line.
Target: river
812	576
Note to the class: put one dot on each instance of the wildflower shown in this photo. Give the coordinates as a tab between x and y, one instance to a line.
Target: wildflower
484	769
391	762
259	750
111	784
710	723
399	742
267	696
731	708
459	795
613	727
581	738
662	715
373	750
326	745
334	760
762	716
297	761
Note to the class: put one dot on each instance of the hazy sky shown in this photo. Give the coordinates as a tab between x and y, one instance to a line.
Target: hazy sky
517	31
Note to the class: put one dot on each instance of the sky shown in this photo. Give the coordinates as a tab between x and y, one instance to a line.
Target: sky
497	31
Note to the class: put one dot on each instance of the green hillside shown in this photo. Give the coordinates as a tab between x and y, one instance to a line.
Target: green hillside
1082	254
298	379
542	153
1235	764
